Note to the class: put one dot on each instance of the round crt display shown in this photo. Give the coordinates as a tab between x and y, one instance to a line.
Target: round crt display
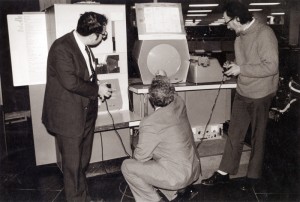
164	57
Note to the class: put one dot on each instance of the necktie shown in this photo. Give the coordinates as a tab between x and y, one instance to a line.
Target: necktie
93	76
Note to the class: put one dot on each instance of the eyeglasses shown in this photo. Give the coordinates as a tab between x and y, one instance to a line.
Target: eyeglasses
226	23
104	35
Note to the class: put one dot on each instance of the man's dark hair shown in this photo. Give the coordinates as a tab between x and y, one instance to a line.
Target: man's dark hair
91	23
161	91
235	9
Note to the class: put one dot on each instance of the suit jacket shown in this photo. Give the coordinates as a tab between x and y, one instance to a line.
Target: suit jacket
166	137
68	89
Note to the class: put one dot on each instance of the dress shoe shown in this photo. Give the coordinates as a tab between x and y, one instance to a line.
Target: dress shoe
185	194
216	178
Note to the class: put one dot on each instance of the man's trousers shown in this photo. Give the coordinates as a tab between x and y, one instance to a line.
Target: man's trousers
144	178
245	112
76	154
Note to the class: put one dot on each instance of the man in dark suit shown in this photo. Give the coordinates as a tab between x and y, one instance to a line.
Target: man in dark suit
70	103
165	157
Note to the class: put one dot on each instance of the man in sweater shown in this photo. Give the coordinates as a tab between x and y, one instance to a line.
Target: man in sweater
256	68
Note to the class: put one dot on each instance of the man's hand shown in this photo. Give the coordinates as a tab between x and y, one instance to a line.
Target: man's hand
231	69
104	91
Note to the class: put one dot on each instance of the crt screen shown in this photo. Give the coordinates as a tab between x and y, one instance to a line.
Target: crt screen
165	57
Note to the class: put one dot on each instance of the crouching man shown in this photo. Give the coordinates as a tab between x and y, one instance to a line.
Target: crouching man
165	157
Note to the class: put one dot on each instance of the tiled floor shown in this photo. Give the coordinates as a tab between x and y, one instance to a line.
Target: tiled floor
21	180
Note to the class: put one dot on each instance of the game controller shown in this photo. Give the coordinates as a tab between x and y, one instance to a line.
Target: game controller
108	85
226	66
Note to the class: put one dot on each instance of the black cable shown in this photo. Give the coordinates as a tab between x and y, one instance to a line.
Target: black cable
102	156
113	122
122	143
213	107
212	110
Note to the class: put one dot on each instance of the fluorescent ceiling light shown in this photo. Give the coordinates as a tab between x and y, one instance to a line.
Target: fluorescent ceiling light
190	20
195	15
199	11
264	4
192	23
203	5
215	24
255	9
277	13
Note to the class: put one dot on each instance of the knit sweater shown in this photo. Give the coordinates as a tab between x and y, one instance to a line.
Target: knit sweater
256	52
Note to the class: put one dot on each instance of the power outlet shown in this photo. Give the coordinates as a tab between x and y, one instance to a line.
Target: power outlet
212	132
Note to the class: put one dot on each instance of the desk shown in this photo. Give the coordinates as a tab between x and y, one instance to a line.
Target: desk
199	99
121	119
143	89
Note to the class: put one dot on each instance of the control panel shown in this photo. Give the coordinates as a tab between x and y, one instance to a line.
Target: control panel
212	132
